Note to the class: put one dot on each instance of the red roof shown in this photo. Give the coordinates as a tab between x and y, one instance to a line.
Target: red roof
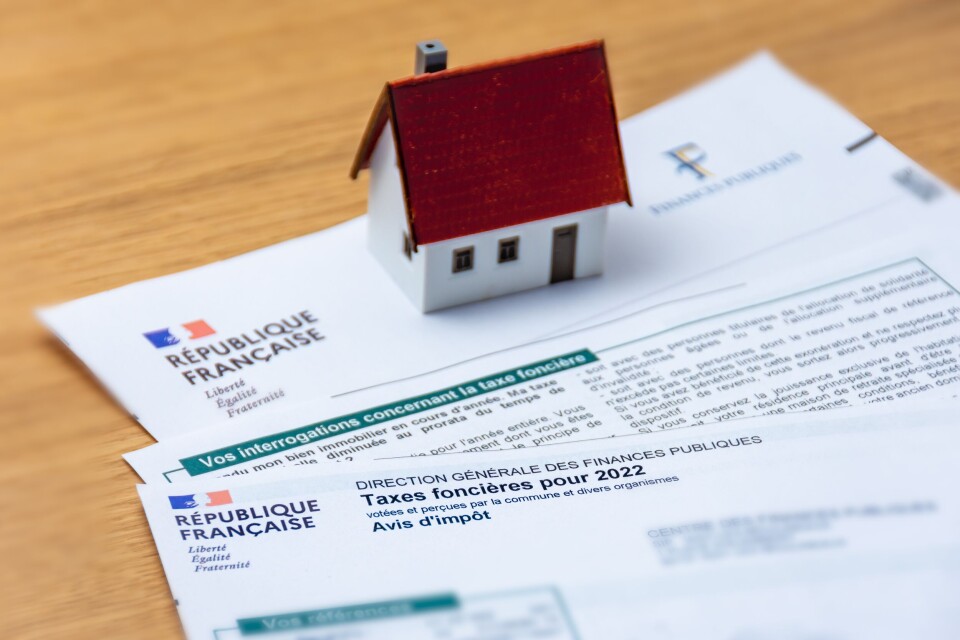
494	145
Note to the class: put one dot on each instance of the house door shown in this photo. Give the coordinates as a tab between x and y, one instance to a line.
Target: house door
564	253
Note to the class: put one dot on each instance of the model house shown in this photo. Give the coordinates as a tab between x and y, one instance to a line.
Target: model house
495	177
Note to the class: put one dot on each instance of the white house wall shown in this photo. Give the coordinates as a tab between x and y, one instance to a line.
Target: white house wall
388	222
488	278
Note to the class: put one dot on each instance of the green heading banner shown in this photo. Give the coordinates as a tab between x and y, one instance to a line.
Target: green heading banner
342	615
311	433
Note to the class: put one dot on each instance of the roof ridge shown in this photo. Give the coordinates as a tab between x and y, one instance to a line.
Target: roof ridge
424	78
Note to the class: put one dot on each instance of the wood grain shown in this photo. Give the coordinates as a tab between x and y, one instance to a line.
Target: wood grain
142	138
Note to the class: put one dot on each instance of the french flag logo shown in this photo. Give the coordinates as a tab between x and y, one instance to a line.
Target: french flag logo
197	500
188	331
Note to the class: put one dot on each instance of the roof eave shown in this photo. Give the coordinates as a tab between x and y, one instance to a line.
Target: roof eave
382	114
616	128
376	123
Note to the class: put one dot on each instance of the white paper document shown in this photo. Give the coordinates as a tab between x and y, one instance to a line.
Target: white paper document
840	525
877	328
768	159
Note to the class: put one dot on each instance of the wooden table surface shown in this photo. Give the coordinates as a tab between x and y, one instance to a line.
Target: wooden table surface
142	138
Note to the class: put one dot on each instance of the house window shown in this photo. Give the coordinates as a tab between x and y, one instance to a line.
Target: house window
509	248
407	246
462	259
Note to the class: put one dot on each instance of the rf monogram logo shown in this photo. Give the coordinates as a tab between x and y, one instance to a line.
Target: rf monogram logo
689	158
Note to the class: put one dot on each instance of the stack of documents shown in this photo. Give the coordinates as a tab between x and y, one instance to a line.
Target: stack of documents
744	429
